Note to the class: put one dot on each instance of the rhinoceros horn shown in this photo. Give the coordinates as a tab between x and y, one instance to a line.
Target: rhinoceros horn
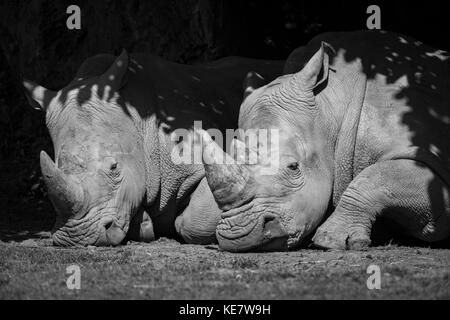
65	194
226	178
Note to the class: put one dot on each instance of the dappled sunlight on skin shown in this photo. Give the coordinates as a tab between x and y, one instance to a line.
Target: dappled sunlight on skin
370	105
142	99
412	70
411	66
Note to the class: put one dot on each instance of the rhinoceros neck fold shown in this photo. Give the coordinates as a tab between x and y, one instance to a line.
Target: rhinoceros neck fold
151	148
346	137
168	183
177	179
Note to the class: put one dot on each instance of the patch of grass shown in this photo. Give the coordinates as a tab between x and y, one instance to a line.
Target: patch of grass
241	262
167	269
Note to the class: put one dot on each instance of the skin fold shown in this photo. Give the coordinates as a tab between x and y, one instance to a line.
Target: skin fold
364	133
113	177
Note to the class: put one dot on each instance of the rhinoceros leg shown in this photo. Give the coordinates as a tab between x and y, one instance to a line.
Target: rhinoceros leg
141	228
406	191
197	224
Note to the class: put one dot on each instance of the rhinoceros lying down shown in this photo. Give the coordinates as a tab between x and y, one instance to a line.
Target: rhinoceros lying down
111	128
364	132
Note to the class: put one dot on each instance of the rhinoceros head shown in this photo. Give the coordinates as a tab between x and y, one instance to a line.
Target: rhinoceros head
97	180
275	209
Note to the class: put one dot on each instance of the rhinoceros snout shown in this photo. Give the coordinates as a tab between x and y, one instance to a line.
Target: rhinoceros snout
274	235
267	235
110	234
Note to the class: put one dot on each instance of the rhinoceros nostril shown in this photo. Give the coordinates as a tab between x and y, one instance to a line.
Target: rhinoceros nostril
114	234
274	235
268	224
108	225
268	219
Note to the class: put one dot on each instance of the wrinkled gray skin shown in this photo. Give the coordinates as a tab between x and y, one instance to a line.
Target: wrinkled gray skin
360	137
113	176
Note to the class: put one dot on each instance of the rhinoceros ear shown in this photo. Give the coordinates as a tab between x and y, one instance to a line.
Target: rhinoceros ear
316	70
252	81
115	75
38	97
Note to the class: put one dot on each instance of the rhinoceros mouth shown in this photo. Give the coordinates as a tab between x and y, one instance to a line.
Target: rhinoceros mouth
93	229
235	239
82	233
110	232
249	229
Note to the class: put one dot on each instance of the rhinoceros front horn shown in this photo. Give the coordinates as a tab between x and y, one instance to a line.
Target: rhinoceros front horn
227	179
65	194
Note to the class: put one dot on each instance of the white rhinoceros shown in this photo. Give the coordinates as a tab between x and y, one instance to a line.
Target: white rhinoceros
364	127
111	130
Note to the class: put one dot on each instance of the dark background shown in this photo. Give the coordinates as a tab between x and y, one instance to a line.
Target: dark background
35	44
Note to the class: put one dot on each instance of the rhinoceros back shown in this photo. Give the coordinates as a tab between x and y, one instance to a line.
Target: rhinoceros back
406	106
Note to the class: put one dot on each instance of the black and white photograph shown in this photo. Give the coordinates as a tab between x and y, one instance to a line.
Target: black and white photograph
236	152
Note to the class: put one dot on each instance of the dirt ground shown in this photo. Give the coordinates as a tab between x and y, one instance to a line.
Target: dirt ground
31	268
165	269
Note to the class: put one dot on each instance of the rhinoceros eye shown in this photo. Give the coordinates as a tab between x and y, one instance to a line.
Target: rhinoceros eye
292	175
293	166
110	164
